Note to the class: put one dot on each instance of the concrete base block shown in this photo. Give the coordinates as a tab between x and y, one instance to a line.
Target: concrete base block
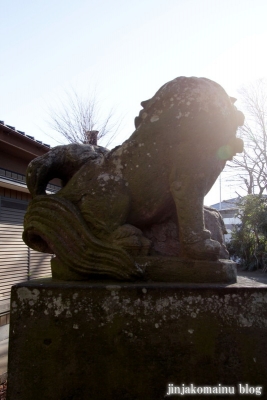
74	340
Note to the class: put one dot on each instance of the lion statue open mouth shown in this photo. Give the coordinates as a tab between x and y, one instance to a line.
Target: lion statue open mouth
144	197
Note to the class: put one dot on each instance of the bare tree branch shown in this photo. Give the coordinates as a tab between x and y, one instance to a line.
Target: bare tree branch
250	167
78	119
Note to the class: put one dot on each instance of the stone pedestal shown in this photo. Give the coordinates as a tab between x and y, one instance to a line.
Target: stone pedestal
75	340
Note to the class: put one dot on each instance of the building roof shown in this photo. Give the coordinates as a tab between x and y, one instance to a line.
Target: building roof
16	151
11	131
231	203
226	204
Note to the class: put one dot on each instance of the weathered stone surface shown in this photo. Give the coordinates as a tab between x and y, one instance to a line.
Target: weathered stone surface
215	224
167	269
128	341
164	236
174	269
144	197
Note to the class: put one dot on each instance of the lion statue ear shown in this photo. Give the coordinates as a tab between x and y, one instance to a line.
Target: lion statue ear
233	99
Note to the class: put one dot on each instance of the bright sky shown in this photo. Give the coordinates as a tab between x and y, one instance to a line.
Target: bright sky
125	50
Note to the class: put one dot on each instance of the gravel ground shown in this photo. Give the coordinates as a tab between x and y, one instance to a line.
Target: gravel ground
256	276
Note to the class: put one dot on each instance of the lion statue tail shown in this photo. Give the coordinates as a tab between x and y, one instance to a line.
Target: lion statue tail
54	225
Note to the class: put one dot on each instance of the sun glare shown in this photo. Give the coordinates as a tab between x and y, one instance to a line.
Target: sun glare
245	61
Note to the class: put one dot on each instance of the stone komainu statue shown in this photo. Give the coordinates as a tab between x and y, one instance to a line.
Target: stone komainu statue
144	197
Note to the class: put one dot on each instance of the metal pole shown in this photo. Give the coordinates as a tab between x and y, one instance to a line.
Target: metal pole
220	182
